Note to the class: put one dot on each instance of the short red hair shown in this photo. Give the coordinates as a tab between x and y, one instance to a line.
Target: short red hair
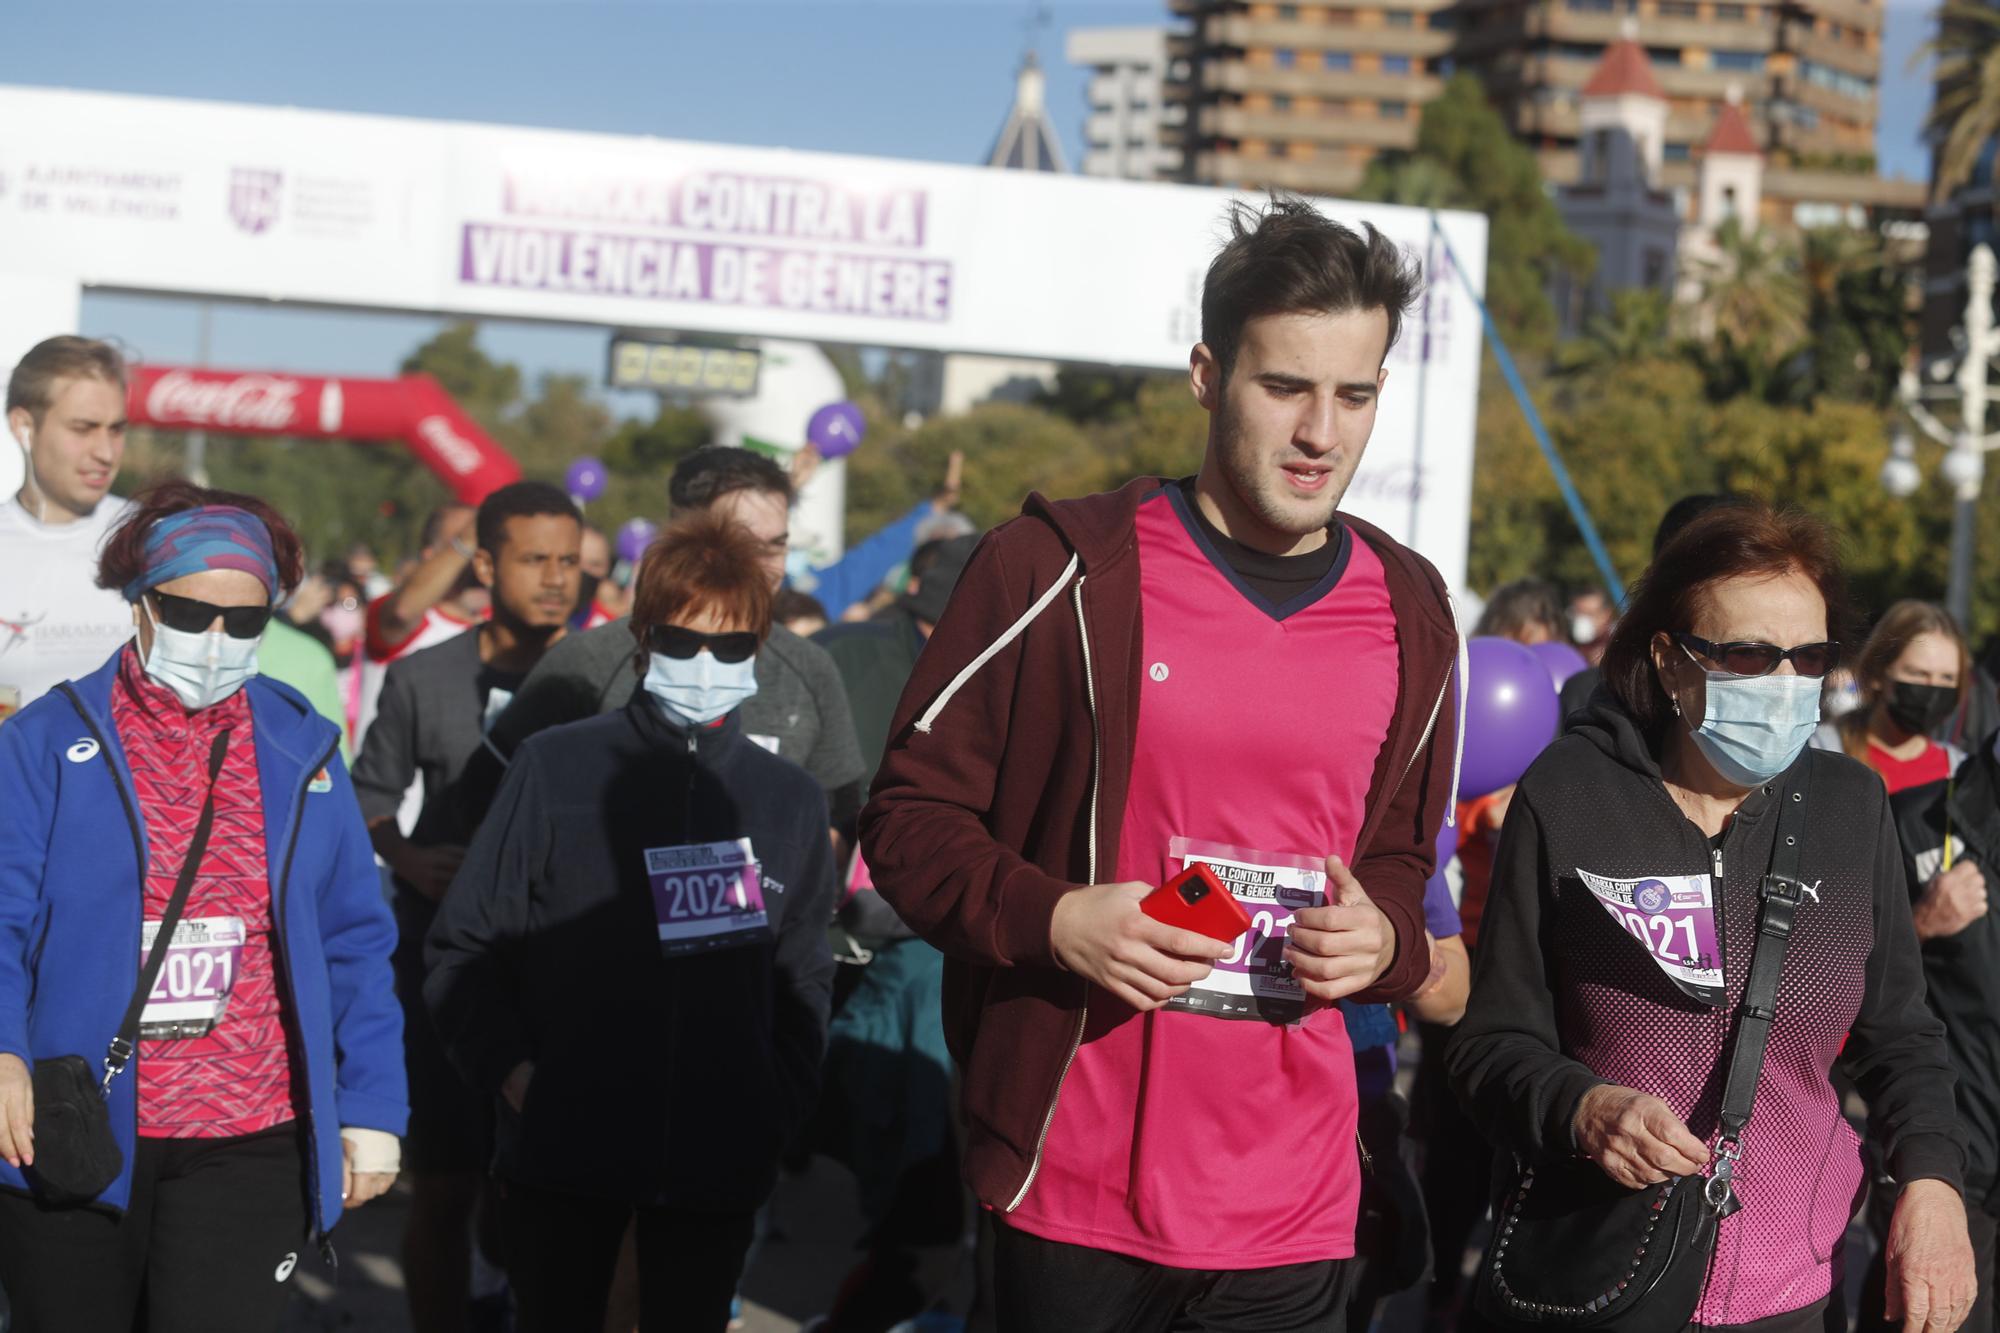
124	557
701	562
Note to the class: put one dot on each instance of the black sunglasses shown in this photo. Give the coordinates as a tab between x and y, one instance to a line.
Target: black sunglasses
190	616
1761	659
674	641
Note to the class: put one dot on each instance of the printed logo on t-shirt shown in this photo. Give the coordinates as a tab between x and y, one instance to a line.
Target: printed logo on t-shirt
1673	916
1158	671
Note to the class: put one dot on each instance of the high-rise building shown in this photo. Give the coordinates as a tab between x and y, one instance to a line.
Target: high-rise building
1133	131
1304	95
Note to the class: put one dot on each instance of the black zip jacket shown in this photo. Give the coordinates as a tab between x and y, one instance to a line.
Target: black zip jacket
670	1081
1963	970
1564	998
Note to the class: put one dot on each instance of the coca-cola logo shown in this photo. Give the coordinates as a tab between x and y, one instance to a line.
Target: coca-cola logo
241	402
453	450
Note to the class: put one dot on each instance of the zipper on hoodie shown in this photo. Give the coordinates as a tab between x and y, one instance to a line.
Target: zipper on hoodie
1096	777
283	954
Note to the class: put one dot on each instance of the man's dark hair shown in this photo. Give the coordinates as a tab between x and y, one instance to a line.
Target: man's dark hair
1290	258
1685	511
523	499
706	475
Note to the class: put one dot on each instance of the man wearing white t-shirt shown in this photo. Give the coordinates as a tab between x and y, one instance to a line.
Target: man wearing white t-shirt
66	412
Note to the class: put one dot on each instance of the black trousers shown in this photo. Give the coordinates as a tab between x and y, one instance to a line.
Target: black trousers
561	1250
207	1245
1041	1286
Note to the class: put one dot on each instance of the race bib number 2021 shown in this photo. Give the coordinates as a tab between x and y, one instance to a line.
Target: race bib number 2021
192	992
707	895
1254	981
1673	916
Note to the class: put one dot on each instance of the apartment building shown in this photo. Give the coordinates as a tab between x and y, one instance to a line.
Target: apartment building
1133	131
1304	95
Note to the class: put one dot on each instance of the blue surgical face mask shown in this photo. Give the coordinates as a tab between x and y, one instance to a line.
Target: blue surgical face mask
201	669
1753	727
697	690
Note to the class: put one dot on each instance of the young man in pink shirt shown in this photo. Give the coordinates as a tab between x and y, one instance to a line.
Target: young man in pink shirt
1221	669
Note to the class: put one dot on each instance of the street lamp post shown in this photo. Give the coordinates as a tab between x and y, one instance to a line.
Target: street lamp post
1965	460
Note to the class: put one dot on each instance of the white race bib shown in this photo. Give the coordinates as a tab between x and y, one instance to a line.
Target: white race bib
707	895
191	993
1254	981
1673	916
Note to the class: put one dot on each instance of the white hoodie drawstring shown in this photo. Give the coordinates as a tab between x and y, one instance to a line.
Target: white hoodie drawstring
994	649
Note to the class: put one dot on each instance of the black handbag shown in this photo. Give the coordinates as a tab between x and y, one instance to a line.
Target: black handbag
1572	1248
76	1154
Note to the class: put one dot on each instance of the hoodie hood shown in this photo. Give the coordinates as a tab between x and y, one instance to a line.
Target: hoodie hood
1606	725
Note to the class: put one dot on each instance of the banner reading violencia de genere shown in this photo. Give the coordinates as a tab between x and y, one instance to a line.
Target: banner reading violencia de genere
210	199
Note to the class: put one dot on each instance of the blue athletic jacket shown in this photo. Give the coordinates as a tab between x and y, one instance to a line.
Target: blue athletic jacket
71	852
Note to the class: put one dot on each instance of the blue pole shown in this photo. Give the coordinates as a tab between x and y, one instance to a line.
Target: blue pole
1598	554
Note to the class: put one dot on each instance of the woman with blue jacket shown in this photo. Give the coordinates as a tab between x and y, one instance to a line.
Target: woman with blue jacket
267	1088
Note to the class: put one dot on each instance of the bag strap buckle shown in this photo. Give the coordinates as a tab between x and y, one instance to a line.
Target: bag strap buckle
116	1057
1720	1188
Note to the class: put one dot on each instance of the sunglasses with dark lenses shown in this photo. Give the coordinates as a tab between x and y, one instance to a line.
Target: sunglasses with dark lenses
1761	659
190	616
674	641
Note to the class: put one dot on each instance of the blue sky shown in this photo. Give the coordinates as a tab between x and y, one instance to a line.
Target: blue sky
926	79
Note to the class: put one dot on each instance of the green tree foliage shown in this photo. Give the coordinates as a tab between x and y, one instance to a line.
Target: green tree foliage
1965	112
1466	157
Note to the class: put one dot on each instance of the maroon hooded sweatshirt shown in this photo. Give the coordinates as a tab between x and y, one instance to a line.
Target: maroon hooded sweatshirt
1005	780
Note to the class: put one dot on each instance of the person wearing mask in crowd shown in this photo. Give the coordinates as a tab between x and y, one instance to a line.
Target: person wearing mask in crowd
1121	686
1911	675
599	601
1527	611
362	563
656	864
799	711
1591	616
1950	835
436	706
887	1110
66	414
266	1090
1681	785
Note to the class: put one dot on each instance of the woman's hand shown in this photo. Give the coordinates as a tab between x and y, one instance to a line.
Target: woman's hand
17	1112
1635	1139
369	1161
1932	1282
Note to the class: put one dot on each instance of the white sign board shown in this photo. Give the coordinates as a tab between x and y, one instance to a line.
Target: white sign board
200	198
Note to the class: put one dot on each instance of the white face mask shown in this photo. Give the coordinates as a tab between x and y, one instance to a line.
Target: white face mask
201	669
1753	727
1583	628
697	690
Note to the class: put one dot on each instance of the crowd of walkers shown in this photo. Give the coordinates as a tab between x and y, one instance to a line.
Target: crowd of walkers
1079	887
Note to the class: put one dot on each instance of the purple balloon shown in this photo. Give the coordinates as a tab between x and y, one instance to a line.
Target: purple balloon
1561	660
1510	714
634	538
586	478
836	429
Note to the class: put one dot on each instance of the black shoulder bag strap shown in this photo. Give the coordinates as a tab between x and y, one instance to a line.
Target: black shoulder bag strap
119	1053
1779	894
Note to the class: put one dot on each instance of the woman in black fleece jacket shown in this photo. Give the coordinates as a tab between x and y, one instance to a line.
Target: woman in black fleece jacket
634	961
1582	1039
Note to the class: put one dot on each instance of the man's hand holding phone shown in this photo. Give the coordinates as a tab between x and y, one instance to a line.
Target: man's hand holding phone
1342	948
1100	933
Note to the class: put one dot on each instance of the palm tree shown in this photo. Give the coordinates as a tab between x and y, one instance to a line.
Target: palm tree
1751	291
1965	114
1637	327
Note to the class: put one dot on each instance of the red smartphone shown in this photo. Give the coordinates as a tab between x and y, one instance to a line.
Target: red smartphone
1195	900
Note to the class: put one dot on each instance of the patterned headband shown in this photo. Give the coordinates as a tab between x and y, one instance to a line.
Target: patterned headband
212	537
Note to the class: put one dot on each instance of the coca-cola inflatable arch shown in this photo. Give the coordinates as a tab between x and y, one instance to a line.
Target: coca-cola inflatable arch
414	409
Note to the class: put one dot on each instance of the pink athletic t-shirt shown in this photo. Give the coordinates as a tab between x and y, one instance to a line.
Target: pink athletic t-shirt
1186	1138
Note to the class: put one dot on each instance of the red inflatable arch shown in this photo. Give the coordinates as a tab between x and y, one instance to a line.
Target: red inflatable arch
414	409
